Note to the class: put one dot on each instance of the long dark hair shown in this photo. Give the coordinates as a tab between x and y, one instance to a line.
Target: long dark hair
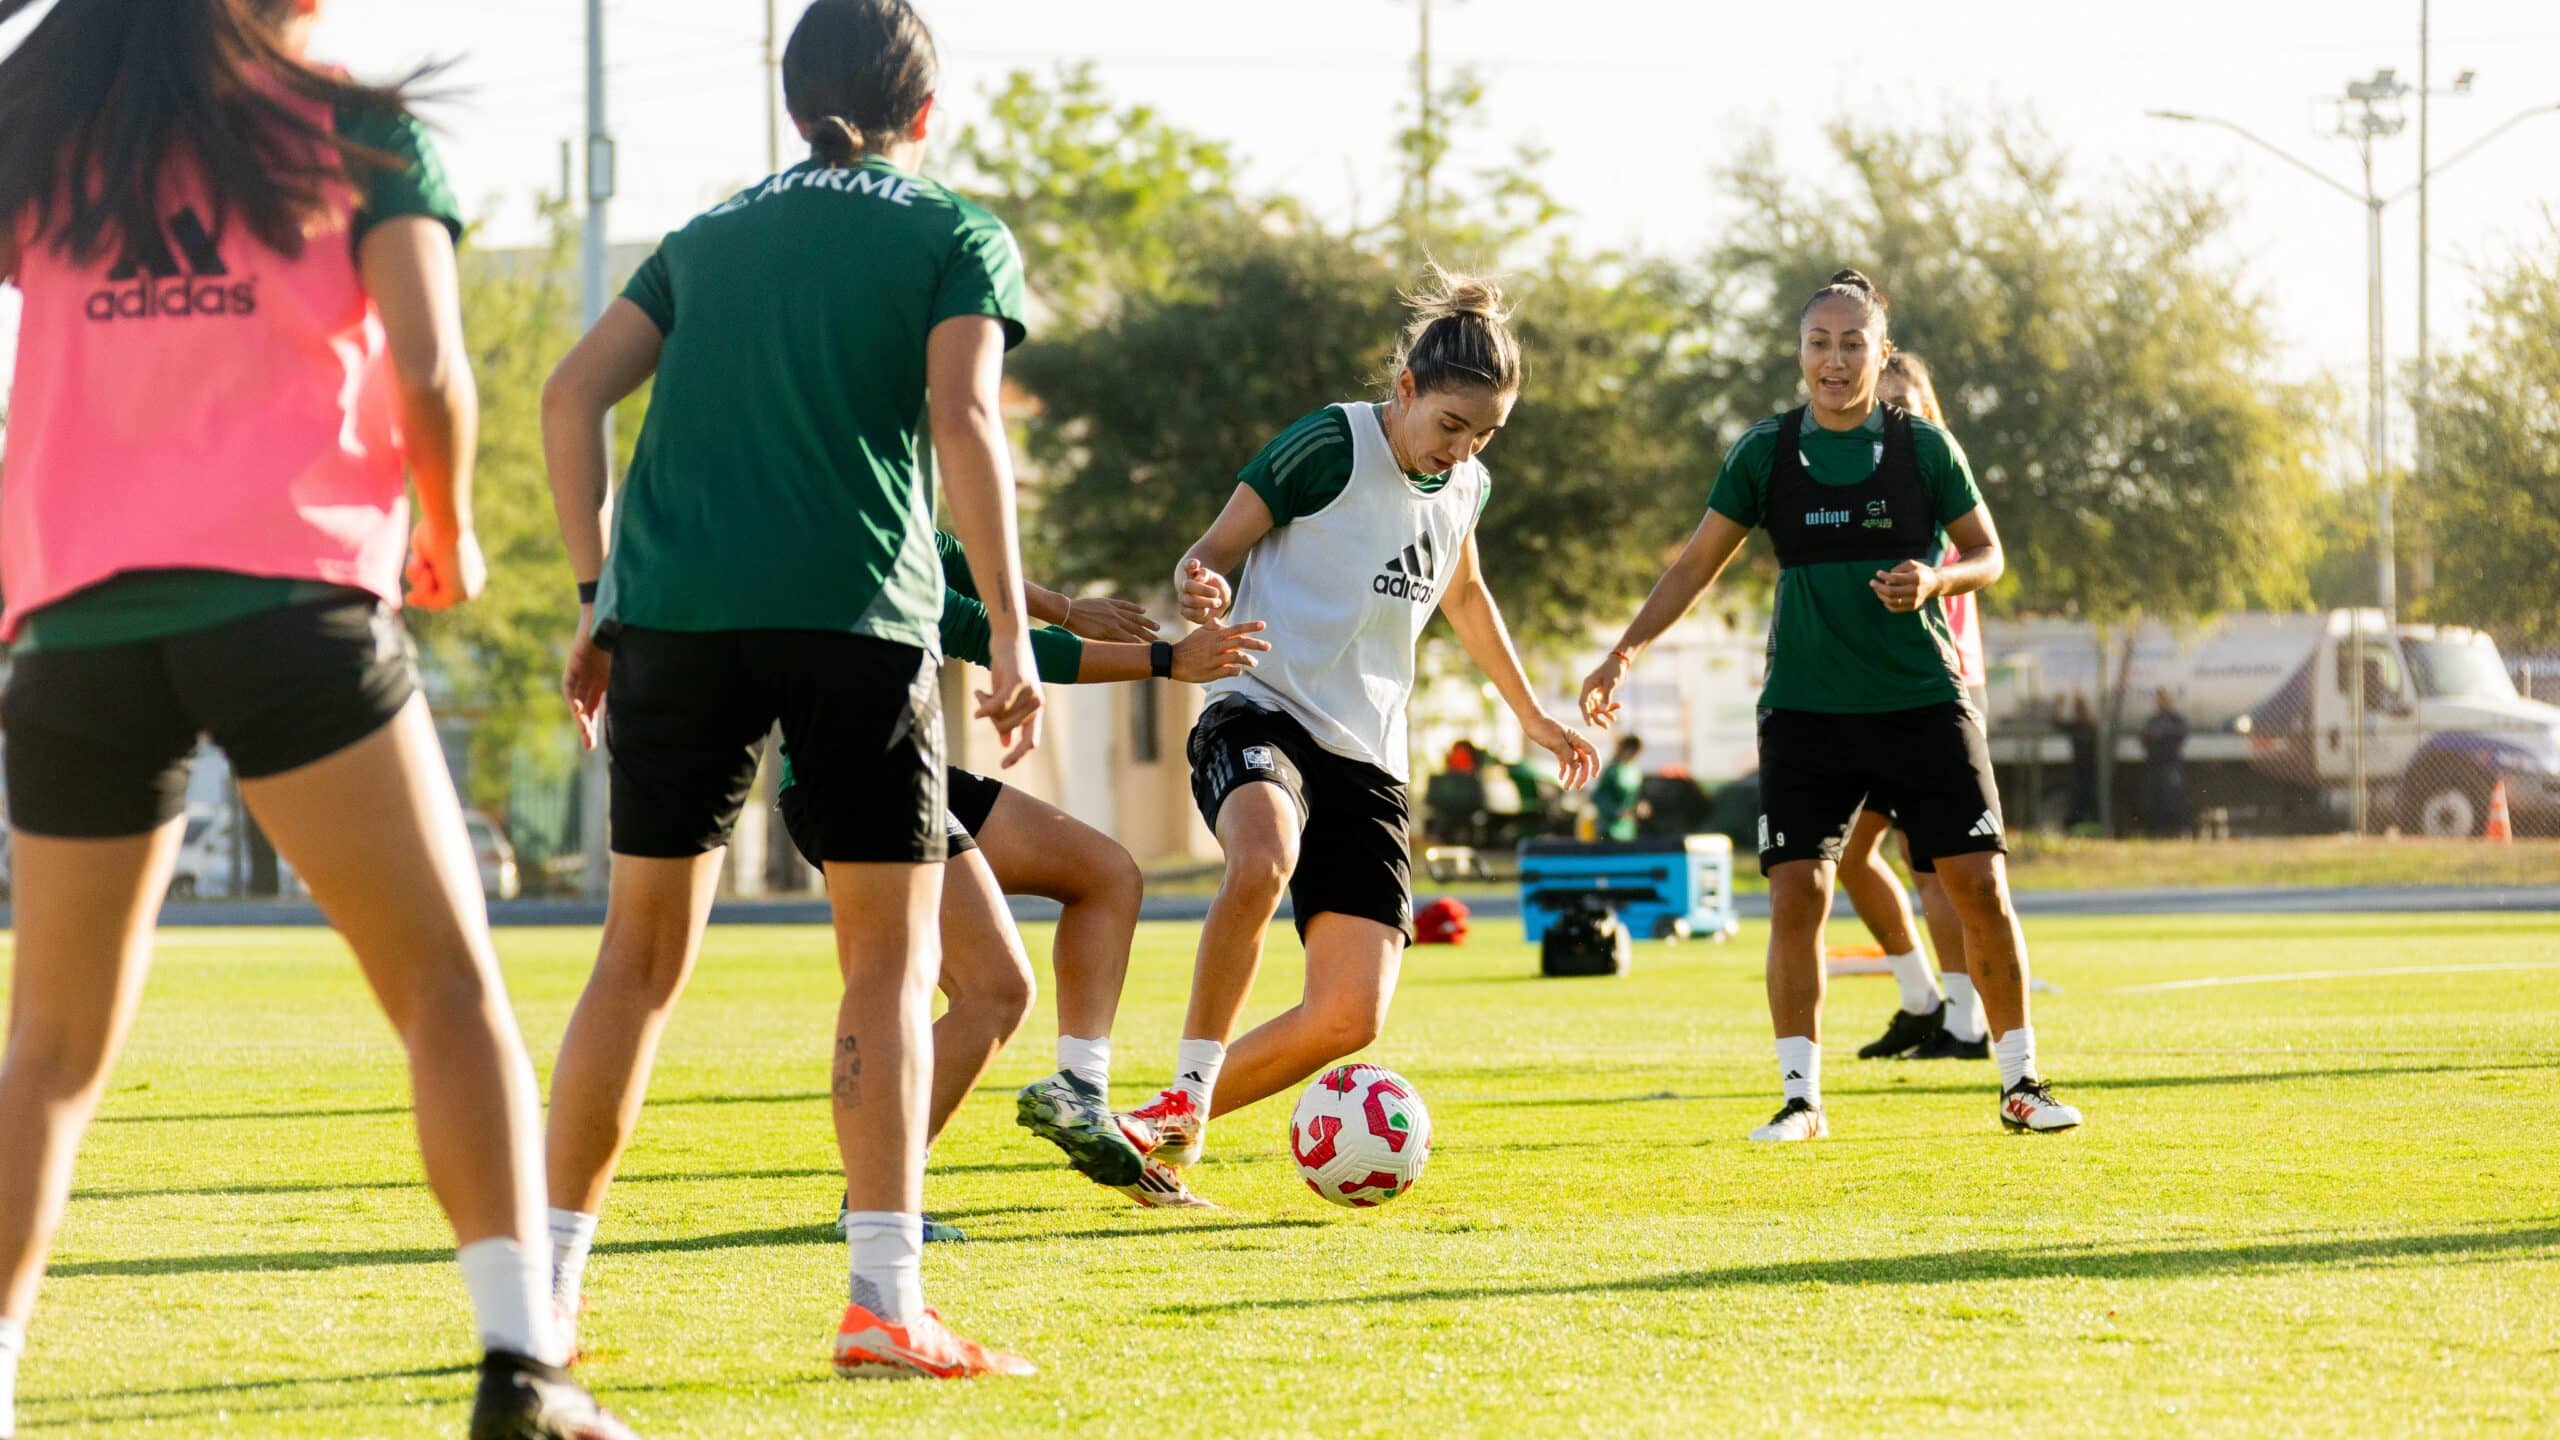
856	73
104	94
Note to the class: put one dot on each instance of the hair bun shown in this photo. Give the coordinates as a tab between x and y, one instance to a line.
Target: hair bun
836	140
1853	279
1451	293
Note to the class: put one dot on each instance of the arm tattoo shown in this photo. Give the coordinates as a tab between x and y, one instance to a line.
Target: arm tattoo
848	1081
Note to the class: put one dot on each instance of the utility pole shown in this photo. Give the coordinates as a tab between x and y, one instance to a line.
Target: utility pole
1425	161
595	781
772	100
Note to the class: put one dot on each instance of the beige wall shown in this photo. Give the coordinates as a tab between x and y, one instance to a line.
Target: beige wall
1089	762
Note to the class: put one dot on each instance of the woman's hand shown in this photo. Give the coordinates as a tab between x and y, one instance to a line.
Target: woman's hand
445	566
1011	701
1600	690
1099	617
1577	764
1214	652
1906	587
1205	593
583	679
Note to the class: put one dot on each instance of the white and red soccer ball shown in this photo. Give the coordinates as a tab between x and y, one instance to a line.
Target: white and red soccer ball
1360	1135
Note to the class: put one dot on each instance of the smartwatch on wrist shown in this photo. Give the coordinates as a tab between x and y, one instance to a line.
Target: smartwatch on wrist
1160	658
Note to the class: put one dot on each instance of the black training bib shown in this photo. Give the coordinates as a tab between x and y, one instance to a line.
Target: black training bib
1886	517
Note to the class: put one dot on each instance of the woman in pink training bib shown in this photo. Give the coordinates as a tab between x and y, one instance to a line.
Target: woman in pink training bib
241	342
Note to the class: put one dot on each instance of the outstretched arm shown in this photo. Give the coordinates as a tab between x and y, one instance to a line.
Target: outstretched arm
1711	547
1468	602
1203	580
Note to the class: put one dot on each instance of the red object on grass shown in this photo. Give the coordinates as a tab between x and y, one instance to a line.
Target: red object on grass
1442	922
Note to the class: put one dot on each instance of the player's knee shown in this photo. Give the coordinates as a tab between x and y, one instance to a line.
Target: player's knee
1975	891
1115	883
1009	1000
1348	1027
1258	870
57	1068
1799	892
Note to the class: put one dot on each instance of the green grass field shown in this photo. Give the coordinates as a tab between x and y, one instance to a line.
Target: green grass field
2304	1206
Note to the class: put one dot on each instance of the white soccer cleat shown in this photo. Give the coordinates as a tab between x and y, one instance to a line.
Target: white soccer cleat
1168	1129
1160	1187
1798	1119
2029	1106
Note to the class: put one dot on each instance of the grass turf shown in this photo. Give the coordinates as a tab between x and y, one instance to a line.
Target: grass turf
2303	1206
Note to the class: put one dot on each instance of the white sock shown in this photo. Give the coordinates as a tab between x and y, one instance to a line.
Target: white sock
1800	1068
1195	1070
1919	982
572	1233
886	1248
2016	1052
13	1343
1964	1008
1087	1060
507	1294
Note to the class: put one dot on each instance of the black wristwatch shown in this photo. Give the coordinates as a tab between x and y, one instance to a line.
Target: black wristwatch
1160	658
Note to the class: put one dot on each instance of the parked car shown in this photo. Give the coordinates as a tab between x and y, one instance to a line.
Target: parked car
499	877
213	861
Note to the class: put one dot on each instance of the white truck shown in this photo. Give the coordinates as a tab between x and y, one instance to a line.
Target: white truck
2272	719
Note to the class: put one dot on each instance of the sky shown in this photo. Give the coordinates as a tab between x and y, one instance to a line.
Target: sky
1637	103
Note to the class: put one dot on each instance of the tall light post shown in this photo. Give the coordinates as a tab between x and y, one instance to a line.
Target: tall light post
594	781
2365	116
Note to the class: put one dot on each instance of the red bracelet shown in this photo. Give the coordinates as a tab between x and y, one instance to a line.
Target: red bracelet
1621	655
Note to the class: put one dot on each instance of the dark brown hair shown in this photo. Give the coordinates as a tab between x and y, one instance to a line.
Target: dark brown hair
1460	335
857	73
104	95
1851	286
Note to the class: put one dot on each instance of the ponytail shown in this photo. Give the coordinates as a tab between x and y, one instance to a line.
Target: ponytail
1460	336
856	74
103	95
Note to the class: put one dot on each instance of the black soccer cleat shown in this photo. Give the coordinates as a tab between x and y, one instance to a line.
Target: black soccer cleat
1906	1032
1945	1046
523	1399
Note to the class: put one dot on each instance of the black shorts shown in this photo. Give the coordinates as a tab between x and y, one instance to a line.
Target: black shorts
1929	768
686	714
1893	822
99	736
1354	855
972	798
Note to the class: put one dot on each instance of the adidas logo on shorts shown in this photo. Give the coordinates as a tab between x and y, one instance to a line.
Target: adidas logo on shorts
1986	828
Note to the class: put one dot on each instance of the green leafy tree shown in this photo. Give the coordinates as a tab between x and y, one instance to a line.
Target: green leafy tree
2491	505
498	657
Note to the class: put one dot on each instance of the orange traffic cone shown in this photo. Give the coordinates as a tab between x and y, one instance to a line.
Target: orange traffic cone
2498	827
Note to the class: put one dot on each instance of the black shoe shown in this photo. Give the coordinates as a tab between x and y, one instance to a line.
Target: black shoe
523	1399
1907	1031
1945	1046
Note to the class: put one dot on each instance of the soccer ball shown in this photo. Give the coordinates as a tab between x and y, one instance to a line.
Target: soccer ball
1361	1135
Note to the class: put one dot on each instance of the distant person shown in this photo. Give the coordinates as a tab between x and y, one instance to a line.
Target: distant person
242	345
2164	768
1932	1022
1617	797
1863	699
2080	731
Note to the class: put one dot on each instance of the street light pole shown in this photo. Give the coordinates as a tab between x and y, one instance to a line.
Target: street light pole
594	780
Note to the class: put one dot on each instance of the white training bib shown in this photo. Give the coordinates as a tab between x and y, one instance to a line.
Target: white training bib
1345	593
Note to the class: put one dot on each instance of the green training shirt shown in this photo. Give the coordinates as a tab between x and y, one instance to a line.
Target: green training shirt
776	483
1833	647
1309	465
152	604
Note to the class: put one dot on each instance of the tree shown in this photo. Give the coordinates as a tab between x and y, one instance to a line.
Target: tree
2493	432
2110	381
500	654
1105	200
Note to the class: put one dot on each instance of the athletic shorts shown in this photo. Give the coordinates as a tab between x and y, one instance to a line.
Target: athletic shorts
1929	768
1354	854
686	714
100	736
1894	822
972	798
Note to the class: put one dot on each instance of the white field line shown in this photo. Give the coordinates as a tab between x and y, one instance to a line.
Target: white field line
2292	977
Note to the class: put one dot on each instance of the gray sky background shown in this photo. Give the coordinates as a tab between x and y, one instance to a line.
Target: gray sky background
1637	102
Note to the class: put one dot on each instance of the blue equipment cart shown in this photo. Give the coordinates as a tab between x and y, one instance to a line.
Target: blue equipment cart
1662	887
